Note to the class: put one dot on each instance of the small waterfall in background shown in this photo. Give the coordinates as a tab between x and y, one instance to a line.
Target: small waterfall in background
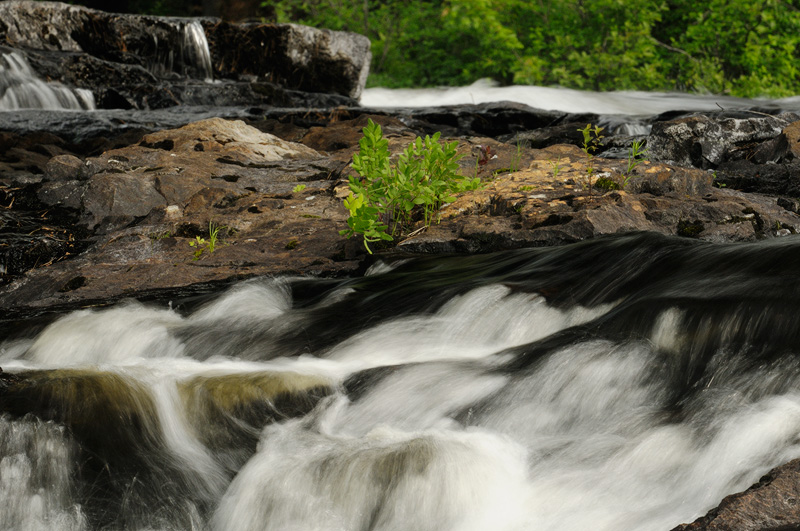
184	54
21	88
195	50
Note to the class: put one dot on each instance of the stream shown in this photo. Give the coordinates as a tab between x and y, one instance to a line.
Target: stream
624	383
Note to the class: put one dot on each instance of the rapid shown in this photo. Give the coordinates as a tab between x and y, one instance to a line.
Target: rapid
626	382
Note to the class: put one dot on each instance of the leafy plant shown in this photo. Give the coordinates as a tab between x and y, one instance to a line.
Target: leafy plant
202	245
395	195
299	188
635	157
591	141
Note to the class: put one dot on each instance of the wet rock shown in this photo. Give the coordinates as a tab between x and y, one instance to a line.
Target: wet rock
300	57
774	179
141	205
486	119
708	140
772	503
567	133
131	61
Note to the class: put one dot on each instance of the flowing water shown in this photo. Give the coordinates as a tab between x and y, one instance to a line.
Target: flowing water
624	383
187	55
621	112
628	103
21	88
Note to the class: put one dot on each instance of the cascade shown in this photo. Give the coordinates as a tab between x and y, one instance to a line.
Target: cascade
195	50
20	88
620	383
185	53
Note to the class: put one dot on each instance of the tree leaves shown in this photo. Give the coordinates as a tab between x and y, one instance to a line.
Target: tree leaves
744	47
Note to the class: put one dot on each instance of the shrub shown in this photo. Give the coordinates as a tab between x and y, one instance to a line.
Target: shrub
388	198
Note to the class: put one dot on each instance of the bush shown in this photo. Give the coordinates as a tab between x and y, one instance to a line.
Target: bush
387	199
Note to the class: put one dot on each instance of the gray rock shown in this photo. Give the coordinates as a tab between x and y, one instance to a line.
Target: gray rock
150	62
705	141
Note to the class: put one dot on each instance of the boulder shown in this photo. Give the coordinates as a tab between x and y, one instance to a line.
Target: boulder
155	62
708	140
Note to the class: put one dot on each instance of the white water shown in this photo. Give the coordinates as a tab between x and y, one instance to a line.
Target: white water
21	88
442	441
196	51
628	103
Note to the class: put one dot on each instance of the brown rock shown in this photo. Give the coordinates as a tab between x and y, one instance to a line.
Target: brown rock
771	504
63	168
792	134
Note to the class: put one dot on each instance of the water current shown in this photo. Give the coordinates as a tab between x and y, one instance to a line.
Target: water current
624	383
21	88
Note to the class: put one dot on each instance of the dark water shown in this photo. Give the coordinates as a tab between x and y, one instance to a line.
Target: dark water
620	383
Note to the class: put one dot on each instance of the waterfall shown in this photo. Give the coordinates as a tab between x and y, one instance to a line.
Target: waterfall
184	52
195	50
625	383
20	88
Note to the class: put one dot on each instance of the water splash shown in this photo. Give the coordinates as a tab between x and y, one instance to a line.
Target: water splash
21	88
182	52
36	465
610	384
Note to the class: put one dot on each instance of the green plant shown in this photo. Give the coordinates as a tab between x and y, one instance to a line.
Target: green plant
591	141
635	157
155	236
299	188
394	195
606	183
556	167
202	245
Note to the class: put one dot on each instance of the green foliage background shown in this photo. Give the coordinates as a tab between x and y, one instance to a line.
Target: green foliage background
740	47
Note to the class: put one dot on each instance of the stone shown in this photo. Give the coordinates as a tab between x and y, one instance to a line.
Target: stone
774	179
772	503
133	61
708	140
63	168
792	135
300	57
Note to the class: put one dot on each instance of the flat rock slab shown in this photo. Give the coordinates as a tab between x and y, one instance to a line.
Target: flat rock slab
540	206
278	207
147	202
